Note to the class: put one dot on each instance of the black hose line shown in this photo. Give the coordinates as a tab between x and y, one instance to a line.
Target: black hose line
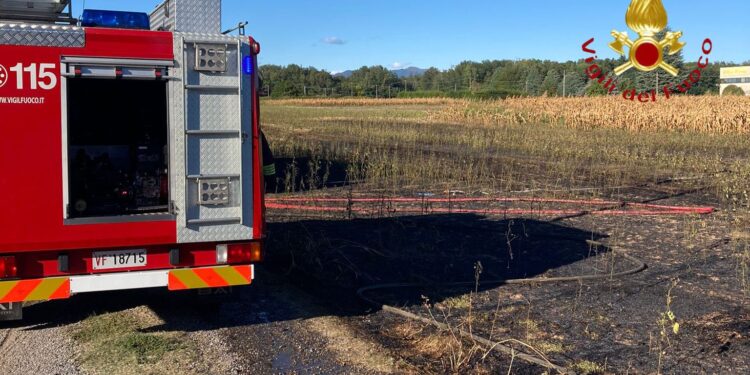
538	358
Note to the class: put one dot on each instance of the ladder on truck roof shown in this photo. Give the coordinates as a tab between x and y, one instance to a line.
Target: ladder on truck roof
42	11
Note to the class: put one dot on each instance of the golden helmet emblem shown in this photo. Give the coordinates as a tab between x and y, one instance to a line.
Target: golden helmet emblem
647	18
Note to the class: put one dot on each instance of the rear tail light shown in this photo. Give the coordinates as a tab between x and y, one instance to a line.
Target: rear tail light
245	253
8	267
239	253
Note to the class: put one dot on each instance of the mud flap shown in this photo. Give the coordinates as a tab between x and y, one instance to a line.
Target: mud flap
11	311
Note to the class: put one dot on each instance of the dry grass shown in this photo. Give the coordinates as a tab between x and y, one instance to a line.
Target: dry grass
515	144
588	368
706	114
453	353
318	102
352	348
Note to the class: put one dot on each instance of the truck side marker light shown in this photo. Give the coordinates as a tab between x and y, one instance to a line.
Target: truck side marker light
212	277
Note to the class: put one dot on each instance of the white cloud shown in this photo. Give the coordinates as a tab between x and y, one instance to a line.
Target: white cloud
400	65
333	40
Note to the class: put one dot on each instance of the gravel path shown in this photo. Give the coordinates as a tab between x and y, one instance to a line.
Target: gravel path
36	350
272	327
269	328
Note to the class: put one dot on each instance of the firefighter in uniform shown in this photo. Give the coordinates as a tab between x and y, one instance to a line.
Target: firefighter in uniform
269	165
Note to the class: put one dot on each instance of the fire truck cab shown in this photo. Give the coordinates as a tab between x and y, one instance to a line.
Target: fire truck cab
129	154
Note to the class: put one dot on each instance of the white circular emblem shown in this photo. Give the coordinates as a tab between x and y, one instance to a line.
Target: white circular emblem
3	76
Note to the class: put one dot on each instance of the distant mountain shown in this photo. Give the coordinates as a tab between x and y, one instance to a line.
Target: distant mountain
344	74
409	72
400	73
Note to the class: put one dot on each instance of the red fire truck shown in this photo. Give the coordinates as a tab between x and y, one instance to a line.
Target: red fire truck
129	154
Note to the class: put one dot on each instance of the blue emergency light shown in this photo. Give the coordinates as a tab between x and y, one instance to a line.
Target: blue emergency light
115	19
247	65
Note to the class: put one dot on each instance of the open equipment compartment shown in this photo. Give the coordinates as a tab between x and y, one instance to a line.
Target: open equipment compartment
116	143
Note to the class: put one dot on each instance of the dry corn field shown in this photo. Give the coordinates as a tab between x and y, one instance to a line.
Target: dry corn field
514	144
708	114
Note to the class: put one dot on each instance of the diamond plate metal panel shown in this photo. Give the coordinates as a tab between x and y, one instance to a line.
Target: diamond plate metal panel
215	212
35	7
214	155
200	37
42	35
196	109
196	16
160	19
215	233
212	111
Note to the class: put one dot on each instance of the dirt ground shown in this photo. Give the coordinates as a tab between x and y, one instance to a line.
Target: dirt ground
605	326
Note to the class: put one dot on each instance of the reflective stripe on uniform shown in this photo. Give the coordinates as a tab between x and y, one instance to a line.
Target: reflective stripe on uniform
34	290
211	277
269	170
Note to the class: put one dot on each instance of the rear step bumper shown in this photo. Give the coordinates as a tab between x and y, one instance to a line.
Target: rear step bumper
177	279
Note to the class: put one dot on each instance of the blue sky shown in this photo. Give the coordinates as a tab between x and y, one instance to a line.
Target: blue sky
345	34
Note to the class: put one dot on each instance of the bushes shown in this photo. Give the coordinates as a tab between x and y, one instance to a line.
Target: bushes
733	90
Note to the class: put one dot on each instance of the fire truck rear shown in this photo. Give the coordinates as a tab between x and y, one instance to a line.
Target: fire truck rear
129	155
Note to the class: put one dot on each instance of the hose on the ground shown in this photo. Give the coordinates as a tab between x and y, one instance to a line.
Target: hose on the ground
612	208
607	208
538	358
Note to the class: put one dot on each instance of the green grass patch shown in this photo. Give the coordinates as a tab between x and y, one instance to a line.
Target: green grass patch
460	302
117	343
146	347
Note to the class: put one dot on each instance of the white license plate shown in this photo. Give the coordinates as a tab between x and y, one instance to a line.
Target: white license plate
108	260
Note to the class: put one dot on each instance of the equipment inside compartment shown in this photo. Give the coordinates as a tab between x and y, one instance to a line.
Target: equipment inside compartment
117	147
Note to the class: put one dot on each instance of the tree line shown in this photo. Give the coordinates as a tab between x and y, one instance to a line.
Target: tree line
491	78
